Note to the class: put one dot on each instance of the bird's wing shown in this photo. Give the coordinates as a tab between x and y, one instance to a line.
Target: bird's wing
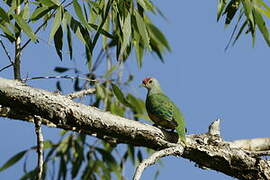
161	106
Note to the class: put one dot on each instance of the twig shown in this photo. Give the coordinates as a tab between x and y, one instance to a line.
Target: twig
175	151
81	93
5	49
39	147
58	77
6	67
214	128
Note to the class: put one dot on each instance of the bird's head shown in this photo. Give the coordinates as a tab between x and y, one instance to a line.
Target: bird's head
150	83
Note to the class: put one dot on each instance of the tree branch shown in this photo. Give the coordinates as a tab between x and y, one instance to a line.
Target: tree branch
17	58
39	147
175	151
81	93
23	102
256	144
6	52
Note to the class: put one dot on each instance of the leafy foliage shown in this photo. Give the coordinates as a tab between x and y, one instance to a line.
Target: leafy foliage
121	24
105	26
252	15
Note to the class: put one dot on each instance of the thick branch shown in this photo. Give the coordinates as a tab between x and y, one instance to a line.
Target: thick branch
20	101
256	144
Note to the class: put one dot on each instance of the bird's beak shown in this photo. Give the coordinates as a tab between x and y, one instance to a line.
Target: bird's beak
142	85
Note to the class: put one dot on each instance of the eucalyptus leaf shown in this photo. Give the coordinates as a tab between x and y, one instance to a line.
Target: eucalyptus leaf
13	160
25	27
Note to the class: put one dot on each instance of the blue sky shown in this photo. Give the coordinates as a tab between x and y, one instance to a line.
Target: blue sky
198	75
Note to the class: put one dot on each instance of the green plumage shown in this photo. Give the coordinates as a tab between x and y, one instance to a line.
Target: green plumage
161	110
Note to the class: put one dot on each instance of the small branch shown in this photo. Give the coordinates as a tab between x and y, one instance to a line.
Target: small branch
81	93
214	128
6	67
39	147
58	77
17	59
6	52
175	151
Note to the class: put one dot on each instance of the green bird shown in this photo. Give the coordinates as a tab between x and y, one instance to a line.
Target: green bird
161	110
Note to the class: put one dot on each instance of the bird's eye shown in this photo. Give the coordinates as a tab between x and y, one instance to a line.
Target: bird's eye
150	81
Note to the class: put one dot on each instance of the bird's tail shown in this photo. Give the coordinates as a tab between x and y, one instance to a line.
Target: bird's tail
181	133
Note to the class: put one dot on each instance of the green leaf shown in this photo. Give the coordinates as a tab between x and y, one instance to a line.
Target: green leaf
140	156
103	32
100	91
76	28
66	20
139	49
142	29
266	8
56	2
265	12
56	23
142	4
107	158
69	40
61	69
25	27
58	86
221	6
110	71
29	175
261	24
25	12
49	3
13	160
131	153
240	31
4	15
39	13
88	53
116	108
47	144
62	168
126	33
231	10
248	12
137	105
149	6
261	3
143	116
120	95
106	27
58	42
79	157
158	36
79	13
7	32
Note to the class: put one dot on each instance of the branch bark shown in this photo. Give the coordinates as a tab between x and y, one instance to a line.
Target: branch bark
17	59
22	102
175	151
39	147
